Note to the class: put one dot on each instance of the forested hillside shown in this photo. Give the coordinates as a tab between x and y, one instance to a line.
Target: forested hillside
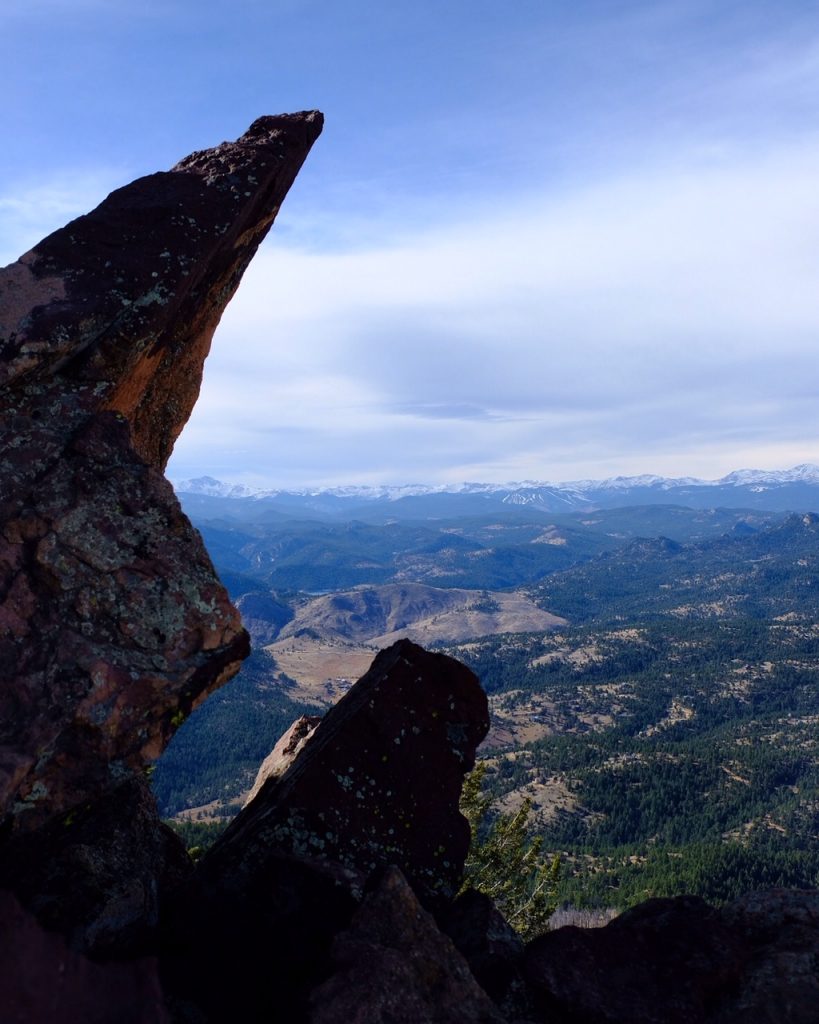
666	730
674	756
513	546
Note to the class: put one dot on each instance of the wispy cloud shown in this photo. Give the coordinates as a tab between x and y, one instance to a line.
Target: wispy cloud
669	311
553	240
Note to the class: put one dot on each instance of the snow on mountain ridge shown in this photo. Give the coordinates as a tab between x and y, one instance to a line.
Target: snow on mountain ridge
622	483
804	473
216	488
522	492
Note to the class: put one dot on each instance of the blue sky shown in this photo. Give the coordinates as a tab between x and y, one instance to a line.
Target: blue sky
542	240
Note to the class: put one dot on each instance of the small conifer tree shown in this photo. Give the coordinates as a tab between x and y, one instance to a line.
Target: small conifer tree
507	865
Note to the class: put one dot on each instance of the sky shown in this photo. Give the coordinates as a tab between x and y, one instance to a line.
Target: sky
541	240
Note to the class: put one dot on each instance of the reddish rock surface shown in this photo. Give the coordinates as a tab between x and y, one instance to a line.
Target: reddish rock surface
112	622
395	967
43	982
377	783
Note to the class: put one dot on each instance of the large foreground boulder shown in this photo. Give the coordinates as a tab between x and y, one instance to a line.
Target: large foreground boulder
97	875
491	947
779	931
375	784
393	966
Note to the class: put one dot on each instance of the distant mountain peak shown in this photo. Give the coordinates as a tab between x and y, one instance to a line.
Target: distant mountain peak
217	488
526	492
805	473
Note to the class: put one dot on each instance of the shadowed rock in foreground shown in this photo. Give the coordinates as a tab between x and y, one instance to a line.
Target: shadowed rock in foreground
375	784
680	961
44	982
393	964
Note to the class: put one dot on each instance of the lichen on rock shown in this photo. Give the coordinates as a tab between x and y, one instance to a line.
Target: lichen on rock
112	620
377	782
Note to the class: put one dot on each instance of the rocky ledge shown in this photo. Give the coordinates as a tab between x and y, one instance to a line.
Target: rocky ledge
334	895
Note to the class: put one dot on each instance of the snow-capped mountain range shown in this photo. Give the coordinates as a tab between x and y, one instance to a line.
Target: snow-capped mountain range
806	473
795	489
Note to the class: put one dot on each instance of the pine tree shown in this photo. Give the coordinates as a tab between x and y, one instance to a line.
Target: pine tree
507	865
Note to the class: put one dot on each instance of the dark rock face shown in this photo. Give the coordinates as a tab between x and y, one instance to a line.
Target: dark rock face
112	623
43	982
355	796
251	951
376	783
395	967
679	961
779	930
491	946
96	875
632	969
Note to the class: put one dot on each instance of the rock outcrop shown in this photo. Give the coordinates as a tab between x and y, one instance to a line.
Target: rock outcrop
113	624
375	784
352	796
97	874
491	947
284	753
779	933
680	961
